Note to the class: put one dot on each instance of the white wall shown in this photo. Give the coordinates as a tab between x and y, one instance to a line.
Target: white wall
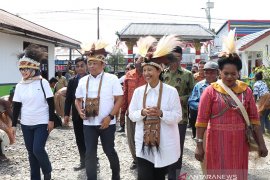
218	39
10	47
260	47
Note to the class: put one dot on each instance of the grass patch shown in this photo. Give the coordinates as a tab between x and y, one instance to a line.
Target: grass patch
4	89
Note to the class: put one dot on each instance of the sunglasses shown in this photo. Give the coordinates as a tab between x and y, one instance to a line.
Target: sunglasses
24	69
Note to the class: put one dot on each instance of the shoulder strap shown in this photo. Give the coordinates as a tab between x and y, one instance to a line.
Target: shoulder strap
43	89
100	83
159	95
99	87
87	86
237	101
144	95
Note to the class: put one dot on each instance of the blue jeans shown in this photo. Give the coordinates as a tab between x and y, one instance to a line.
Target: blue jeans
35	138
91	134
265	121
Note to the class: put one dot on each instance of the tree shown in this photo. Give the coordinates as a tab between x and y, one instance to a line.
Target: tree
116	60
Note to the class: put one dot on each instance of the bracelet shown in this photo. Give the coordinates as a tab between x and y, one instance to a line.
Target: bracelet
198	140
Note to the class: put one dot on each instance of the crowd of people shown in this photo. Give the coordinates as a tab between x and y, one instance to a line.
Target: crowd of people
155	101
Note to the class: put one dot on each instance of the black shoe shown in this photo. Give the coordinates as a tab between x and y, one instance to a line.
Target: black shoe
47	176
116	177
80	167
121	129
133	166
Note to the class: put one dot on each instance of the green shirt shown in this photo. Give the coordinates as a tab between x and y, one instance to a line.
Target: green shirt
183	81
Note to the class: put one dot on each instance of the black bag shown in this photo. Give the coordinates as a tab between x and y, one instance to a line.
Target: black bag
56	118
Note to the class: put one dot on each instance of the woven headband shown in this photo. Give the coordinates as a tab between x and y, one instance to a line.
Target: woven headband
26	62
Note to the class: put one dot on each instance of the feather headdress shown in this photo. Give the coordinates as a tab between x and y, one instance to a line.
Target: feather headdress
144	44
96	51
166	45
229	44
100	44
161	53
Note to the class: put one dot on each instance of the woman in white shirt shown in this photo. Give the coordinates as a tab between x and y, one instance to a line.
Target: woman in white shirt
158	103
36	110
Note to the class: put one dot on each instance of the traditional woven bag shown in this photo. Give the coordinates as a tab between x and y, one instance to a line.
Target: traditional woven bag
151	128
92	104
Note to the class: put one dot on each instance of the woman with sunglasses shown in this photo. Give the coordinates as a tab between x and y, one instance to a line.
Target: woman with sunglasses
36	111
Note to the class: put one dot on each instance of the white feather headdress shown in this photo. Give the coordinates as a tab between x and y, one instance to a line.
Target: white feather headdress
99	44
160	54
96	51
144	44
166	45
229	44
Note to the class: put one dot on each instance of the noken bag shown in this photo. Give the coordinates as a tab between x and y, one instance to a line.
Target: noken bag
92	104
91	107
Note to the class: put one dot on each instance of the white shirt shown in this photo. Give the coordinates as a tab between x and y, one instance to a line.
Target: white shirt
109	89
169	150
35	109
122	79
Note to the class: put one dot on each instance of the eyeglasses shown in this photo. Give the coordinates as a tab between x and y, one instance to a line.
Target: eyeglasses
127	69
78	66
24	69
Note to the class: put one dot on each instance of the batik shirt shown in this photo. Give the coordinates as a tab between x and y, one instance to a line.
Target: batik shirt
183	81
260	88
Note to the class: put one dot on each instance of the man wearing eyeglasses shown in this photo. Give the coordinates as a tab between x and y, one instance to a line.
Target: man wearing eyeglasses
80	69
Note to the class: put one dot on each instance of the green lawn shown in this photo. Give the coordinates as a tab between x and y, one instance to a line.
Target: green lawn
4	90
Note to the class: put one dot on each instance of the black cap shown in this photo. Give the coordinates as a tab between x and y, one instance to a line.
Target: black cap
178	49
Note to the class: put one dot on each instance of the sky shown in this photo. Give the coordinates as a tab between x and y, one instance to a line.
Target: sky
78	19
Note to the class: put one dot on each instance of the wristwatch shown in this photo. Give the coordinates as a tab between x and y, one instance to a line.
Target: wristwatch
198	140
161	115
111	116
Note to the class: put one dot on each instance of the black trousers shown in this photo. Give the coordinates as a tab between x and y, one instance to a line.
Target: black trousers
175	169
147	170
78	130
107	140
192	121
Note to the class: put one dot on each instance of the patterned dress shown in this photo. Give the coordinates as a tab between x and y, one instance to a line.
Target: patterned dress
226	147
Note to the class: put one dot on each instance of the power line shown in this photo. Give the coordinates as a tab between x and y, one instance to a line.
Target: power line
161	14
120	17
76	11
63	11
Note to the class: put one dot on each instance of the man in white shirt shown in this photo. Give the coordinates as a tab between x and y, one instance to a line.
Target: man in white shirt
102	122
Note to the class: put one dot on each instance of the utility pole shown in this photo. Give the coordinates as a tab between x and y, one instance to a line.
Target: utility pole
98	23
209	6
